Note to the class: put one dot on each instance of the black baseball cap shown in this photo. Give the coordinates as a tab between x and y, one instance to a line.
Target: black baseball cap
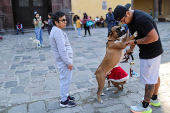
120	11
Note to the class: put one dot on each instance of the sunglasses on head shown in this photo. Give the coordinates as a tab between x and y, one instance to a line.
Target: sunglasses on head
63	20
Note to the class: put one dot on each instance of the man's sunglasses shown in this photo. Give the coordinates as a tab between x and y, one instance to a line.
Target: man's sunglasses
63	20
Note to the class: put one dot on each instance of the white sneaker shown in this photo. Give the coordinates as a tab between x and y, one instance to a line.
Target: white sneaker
79	36
42	45
141	109
155	103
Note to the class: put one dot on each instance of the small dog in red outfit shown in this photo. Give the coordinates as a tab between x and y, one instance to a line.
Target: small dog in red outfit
117	76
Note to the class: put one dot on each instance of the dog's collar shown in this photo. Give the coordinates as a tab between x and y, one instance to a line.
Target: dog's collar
111	40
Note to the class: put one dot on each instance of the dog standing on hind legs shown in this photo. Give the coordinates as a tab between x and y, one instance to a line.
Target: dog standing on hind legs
114	54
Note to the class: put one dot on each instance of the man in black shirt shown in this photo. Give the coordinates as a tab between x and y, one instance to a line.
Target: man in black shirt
148	40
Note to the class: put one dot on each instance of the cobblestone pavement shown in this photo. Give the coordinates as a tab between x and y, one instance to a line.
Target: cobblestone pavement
29	78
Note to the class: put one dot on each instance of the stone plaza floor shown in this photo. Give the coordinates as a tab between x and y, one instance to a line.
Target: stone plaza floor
29	78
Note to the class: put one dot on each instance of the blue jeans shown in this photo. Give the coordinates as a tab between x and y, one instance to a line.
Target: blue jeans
38	33
79	30
21	29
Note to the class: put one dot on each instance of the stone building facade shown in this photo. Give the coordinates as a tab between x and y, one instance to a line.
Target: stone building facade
13	11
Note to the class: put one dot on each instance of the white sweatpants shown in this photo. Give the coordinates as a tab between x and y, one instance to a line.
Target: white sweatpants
65	81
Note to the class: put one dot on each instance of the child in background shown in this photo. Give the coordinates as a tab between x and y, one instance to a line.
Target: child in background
78	25
19	27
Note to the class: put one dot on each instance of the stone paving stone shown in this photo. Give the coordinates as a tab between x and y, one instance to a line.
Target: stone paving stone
125	100
84	85
23	71
40	96
26	57
78	109
3	94
52	105
160	109
85	95
113	108
24	81
10	84
25	62
17	90
135	97
37	107
20	98
18	109
81	68
39	72
84	77
63	110
88	108
110	102
51	67
93	69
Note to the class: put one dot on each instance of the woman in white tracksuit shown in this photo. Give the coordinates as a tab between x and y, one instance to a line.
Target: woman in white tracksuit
63	54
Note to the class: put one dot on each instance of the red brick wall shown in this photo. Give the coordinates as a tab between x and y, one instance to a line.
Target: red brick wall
6	9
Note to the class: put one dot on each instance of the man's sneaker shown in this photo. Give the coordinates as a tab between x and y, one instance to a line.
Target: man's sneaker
141	109
155	103
70	98
67	103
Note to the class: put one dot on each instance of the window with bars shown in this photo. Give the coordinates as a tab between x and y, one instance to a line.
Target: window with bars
37	2
104	5
23	3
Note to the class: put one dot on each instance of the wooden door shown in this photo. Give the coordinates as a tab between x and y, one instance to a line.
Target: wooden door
24	11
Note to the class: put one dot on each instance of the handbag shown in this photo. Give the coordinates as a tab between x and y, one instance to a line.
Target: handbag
89	23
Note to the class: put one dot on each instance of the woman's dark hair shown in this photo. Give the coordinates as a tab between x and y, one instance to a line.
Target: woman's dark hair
35	15
56	16
75	18
78	17
50	13
85	15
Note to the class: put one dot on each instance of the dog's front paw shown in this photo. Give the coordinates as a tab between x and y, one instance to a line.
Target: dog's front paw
136	34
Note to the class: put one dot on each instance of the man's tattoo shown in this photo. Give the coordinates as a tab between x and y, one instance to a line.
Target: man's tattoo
149	90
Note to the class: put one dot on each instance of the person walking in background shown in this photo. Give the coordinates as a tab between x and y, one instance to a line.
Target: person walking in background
38	30
110	20
93	22
150	12
97	21
64	57
78	24
74	20
49	23
85	19
102	21
150	47
19	27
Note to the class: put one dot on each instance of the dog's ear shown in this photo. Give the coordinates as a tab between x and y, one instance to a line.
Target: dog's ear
110	33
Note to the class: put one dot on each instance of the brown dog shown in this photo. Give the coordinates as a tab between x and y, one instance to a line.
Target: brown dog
114	54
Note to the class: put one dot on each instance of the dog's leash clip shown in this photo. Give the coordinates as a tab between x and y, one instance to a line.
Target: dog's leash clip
132	72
